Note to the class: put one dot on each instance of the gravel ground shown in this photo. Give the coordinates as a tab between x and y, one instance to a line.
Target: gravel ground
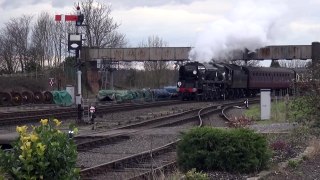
142	114
263	128
159	136
214	121
28	107
110	120
307	170
139	142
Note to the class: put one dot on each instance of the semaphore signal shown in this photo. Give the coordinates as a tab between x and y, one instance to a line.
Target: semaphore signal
63	17
75	44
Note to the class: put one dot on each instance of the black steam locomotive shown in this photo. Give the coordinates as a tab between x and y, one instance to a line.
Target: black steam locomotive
204	81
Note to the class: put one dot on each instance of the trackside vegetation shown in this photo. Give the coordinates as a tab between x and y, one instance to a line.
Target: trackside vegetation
232	150
42	153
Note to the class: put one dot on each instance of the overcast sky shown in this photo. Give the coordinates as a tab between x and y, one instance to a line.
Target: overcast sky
208	25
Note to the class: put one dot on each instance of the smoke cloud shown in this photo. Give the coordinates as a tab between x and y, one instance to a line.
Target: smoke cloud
249	24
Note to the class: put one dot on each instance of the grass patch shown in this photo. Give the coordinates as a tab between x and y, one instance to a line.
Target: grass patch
278	113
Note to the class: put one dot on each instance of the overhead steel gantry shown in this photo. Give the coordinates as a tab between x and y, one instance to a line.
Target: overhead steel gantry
288	52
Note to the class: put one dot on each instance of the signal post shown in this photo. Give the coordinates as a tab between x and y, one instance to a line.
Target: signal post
75	44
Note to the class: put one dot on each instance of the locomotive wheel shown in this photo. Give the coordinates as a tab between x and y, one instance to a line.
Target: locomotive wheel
242	93
219	95
5	98
38	97
27	97
199	97
16	98
231	94
48	97
237	94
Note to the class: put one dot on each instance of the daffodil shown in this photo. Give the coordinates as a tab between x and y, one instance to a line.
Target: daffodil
28	145
57	122
41	148
44	122
34	137
21	129
24	138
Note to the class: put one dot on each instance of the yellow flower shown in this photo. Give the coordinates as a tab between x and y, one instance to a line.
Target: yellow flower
28	145
34	137
44	122
41	148
21	129
24	139
57	122
75	130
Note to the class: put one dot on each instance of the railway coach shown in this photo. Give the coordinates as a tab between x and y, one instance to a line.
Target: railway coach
210	81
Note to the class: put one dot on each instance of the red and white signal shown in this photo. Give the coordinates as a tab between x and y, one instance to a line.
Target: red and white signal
63	17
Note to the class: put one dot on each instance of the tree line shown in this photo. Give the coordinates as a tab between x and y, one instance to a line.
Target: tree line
37	43
29	43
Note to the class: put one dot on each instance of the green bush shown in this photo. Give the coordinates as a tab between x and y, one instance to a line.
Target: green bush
293	163
193	175
43	153
302	109
232	150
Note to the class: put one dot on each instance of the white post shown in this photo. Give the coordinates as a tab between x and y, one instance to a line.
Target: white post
265	104
79	82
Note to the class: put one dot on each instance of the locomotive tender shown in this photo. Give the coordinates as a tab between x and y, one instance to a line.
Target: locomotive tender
204	81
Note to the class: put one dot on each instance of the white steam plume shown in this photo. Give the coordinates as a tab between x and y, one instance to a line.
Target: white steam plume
250	24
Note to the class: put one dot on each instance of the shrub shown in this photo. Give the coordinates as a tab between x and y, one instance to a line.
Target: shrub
233	150
193	175
293	163
43	153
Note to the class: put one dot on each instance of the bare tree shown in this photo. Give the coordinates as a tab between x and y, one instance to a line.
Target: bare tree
100	29
252	63
15	36
155	68
6	54
295	63
42	39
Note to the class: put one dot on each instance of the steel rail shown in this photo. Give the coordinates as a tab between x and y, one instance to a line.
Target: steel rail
118	165
31	116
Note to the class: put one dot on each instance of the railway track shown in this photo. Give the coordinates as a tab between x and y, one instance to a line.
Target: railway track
99	137
69	112
145	164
